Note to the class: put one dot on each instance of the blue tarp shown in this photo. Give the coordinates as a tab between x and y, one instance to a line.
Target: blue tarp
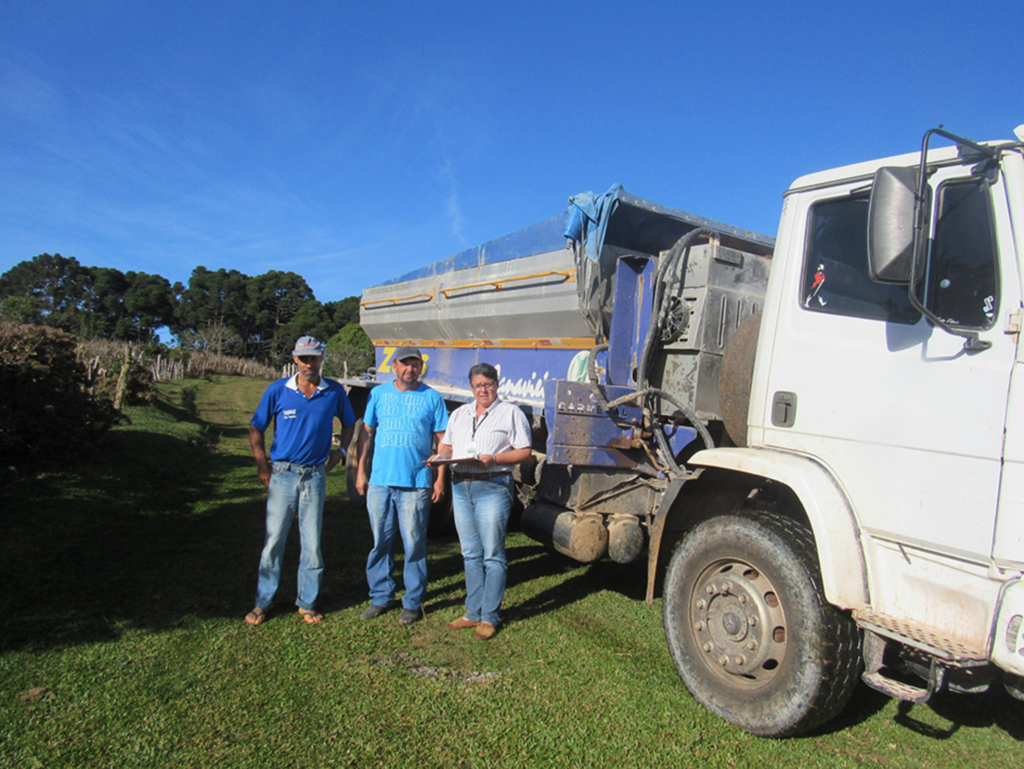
588	219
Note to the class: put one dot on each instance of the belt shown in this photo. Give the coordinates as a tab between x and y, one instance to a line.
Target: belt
479	476
291	466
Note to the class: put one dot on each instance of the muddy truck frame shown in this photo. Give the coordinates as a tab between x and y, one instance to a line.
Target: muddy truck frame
814	444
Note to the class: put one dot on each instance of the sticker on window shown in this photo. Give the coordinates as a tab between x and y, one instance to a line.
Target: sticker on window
815	292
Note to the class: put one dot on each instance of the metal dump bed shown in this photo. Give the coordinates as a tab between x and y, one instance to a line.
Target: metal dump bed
532	303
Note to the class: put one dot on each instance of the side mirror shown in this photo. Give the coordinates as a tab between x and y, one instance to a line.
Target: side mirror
891	224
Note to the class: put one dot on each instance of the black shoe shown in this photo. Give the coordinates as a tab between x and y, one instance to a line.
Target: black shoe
409	616
373	611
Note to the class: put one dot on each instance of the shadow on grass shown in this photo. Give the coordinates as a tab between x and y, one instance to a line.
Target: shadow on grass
536	563
214	428
939	718
153	530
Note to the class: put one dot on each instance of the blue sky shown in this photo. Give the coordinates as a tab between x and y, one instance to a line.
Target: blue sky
351	142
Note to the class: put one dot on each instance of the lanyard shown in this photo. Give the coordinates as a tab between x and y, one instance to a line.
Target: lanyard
476	424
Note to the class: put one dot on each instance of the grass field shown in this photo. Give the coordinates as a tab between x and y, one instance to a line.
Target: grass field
126	575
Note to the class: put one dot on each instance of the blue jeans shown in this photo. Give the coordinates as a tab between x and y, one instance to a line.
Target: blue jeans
407	509
293	488
481	518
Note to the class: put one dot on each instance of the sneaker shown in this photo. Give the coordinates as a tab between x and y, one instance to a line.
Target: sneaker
409	616
462	623
373	611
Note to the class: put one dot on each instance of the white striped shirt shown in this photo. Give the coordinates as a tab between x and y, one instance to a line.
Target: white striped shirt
501	428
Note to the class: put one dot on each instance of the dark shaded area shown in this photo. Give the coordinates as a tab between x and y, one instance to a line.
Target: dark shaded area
145	533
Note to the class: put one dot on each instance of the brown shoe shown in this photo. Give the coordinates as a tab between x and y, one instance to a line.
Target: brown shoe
462	623
484	631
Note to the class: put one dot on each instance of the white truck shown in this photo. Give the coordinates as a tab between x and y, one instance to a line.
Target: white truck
816	446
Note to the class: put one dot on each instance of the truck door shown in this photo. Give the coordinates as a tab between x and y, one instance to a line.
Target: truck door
910	424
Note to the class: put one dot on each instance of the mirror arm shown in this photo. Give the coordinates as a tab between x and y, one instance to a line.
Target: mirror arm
972	343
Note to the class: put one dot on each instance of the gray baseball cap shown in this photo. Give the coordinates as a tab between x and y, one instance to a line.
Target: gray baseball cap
308	345
404	353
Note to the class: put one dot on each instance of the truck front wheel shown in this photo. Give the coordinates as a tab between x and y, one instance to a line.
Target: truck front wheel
749	629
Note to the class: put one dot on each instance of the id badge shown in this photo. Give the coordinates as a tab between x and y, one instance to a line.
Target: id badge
471	449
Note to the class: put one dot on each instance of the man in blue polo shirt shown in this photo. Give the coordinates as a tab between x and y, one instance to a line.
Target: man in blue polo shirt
402	420
302	409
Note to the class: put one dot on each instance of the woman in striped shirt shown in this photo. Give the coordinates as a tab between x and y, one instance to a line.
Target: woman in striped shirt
492	435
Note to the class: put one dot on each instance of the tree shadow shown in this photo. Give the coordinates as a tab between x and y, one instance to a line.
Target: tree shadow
145	536
218	429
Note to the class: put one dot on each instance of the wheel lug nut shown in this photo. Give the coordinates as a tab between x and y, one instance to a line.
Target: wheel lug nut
723	660
711	590
742	599
741	660
752	646
700	625
726	587
701	604
752	621
706	647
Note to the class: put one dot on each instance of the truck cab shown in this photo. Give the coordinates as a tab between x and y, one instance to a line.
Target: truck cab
888	405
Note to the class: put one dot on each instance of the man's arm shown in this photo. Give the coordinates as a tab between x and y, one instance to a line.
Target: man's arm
362	477
341	455
442	474
259	451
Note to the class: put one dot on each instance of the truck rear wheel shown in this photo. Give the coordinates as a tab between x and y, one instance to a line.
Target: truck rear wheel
749	629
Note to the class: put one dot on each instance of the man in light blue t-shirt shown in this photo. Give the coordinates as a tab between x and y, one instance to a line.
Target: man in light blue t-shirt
402	420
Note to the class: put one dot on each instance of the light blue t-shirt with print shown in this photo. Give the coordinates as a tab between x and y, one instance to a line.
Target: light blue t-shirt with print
405	424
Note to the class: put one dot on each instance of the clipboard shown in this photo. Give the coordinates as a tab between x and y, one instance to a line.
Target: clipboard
441	462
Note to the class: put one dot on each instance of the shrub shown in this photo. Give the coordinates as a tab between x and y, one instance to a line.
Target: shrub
188	399
47	414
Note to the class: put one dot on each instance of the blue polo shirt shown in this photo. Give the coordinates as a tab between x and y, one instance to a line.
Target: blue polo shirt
302	426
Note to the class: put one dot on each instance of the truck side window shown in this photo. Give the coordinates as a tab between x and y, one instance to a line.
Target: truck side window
961	282
836	278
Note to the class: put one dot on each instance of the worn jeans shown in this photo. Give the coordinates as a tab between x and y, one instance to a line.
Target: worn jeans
391	507
481	517
301	489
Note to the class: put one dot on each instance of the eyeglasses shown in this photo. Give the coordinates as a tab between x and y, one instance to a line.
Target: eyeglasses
485	386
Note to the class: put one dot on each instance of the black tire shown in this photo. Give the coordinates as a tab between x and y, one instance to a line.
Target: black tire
750	631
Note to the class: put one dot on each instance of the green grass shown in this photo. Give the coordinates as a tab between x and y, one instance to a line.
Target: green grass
125	577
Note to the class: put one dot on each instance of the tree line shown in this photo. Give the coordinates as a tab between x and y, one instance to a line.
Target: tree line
223	312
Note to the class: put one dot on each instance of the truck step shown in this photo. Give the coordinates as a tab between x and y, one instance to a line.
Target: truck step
897	689
874	654
952	651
